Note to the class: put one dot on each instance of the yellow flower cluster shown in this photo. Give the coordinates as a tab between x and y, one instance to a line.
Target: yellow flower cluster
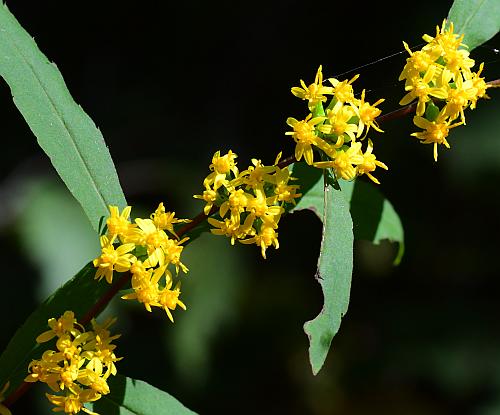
439	76
336	134
77	371
249	203
146	248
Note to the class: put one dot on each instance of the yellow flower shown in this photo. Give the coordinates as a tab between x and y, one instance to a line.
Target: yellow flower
92	376
444	41
210	196
139	270
370	163
418	62
421	89
72	403
221	166
100	346
236	203
343	91
458	62
61	326
479	86
314	93
448	78
154	239
227	227
69	346
173	250
68	374
265	238
435	132
285	192
112	259
344	162
45	370
338	124
458	99
253	202
367	113
119	223
166	220
77	372
305	136
169	299
147	292
255	175
263	207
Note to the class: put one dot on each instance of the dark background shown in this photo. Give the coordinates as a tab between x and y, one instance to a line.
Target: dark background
169	84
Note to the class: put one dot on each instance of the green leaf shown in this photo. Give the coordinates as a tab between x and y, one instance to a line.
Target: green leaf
65	132
312	186
478	20
130	396
334	274
373	218
78	295
373	215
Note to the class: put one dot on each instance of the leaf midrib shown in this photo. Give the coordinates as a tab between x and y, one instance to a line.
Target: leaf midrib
466	23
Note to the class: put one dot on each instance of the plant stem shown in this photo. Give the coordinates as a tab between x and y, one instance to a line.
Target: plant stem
105	299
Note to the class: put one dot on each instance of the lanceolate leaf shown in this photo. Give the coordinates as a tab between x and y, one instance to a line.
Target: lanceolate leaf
64	131
78	295
334	274
129	396
373	218
479	20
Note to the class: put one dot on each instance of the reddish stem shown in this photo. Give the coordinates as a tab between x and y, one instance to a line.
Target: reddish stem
105	299
14	396
199	218
397	113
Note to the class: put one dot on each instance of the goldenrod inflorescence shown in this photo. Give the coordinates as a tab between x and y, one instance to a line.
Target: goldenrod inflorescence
247	205
77	371
439	76
146	248
337	134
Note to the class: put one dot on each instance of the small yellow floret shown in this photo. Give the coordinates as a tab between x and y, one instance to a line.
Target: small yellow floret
305	136
314	93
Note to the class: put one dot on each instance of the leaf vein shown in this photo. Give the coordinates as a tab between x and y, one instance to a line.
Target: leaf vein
60	117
